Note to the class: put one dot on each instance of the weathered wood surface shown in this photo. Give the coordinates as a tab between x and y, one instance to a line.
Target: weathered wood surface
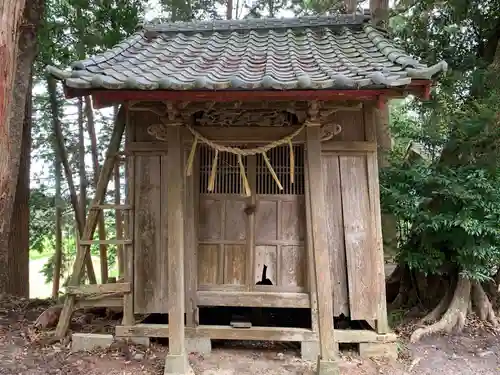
191	243
91	223
175	234
335	232
254	333
253	299
86	290
234	264
129	225
105	242
150	266
382	324
311	265
352	123
220	332
316	200
363	285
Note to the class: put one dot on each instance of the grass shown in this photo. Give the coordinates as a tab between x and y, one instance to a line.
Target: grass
38	287
35	255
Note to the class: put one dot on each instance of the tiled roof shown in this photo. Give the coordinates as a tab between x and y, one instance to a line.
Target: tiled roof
329	52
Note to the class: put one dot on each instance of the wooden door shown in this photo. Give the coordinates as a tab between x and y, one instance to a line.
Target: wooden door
222	231
280	221
234	246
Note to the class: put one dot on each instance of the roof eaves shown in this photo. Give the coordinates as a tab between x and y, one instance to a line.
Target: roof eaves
413	67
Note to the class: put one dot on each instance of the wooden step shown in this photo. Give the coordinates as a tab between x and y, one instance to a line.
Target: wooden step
105	242
121	207
93	289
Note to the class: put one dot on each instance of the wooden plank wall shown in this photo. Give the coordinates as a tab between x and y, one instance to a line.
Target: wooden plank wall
279	233
353	250
360	246
335	232
150	236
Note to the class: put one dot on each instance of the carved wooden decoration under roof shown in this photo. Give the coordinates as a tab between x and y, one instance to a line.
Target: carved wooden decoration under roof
238	117
279	113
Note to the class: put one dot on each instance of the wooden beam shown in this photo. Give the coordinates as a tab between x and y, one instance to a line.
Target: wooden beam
220	332
315	201
102	97
351	146
175	230
253	299
101	302
232	135
87	290
347	336
71	92
91	223
121	207
253	333
105	242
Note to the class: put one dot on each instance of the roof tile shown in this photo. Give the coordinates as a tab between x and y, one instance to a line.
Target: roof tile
331	52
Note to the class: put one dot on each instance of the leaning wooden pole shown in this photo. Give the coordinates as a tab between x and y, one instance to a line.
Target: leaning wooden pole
91	223
63	155
103	249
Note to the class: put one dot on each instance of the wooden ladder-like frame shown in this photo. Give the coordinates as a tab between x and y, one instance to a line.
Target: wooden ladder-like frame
113	292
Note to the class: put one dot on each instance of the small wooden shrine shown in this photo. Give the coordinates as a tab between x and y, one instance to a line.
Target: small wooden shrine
249	145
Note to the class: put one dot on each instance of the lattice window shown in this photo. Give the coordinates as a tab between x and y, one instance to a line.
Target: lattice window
279	158
228	177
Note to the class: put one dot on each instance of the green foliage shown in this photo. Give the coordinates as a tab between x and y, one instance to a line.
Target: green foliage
446	196
71	30
452	198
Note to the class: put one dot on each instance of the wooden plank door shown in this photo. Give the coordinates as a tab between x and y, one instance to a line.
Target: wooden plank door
222	224
280	221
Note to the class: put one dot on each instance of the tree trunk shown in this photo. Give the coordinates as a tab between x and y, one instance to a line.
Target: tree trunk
103	250
19	244
58	251
350	6
229	10
54	105
81	163
379	10
18	48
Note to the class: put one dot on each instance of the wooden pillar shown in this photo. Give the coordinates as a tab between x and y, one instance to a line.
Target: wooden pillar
191	244
128	250
252	202
316	209
176	361
311	269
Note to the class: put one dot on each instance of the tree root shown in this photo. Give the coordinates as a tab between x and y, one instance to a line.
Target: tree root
452	310
440	309
455	315
482	304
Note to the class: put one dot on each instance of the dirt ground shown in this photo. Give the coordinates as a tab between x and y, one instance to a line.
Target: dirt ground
25	351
